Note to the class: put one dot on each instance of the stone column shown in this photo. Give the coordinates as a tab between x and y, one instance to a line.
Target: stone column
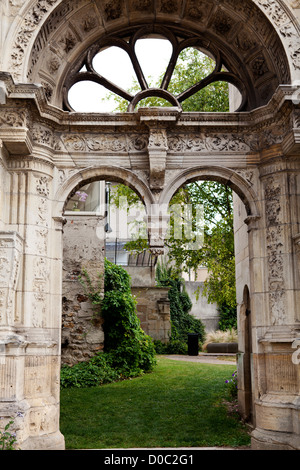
31	366
276	318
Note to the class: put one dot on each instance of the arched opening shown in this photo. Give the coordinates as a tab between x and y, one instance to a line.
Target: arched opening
92	233
188	260
71	212
47	48
245	208
157	70
236	37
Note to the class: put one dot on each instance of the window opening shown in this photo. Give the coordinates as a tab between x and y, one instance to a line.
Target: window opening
154	56
176	72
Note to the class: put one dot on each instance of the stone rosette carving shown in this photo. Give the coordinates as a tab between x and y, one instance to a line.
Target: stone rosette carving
12	118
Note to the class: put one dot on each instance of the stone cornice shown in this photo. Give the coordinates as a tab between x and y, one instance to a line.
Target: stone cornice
277	123
283	97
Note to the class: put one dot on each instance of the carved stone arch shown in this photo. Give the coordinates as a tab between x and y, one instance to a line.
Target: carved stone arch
53	35
215	173
109	173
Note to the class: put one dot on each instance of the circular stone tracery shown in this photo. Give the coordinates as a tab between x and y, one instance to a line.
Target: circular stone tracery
178	45
236	33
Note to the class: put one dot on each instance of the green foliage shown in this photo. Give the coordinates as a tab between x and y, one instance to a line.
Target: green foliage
217	251
7	438
228	317
132	349
97	371
128	351
192	66
232	385
182	322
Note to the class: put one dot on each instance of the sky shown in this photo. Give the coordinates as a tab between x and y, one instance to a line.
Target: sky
115	65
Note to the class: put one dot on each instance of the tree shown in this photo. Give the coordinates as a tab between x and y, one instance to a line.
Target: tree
192	66
217	252
182	322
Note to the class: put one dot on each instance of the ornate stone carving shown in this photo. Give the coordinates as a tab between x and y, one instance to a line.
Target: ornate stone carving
68	42
42	135
12	118
206	143
275	244
248	175
88	23
169	6
142	5
259	66
280	18
157	150
31	20
222	23
11	246
113	10
296	354
244	41
107	142
42	186
42	215
40	288
53	64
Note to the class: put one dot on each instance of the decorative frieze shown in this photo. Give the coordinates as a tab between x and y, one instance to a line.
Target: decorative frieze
208	143
104	143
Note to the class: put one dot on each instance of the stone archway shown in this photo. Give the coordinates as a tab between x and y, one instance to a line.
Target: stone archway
98	173
46	151
247	210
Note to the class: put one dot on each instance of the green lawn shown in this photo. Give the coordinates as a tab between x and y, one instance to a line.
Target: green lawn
180	404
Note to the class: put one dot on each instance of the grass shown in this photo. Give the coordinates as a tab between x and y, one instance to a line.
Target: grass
180	404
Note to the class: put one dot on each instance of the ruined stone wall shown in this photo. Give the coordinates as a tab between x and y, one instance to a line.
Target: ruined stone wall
153	310
82	332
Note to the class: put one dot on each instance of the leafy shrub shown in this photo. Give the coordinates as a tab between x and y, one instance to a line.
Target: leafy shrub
182	322
232	385
128	351
173	346
97	371
228	317
132	350
7	438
